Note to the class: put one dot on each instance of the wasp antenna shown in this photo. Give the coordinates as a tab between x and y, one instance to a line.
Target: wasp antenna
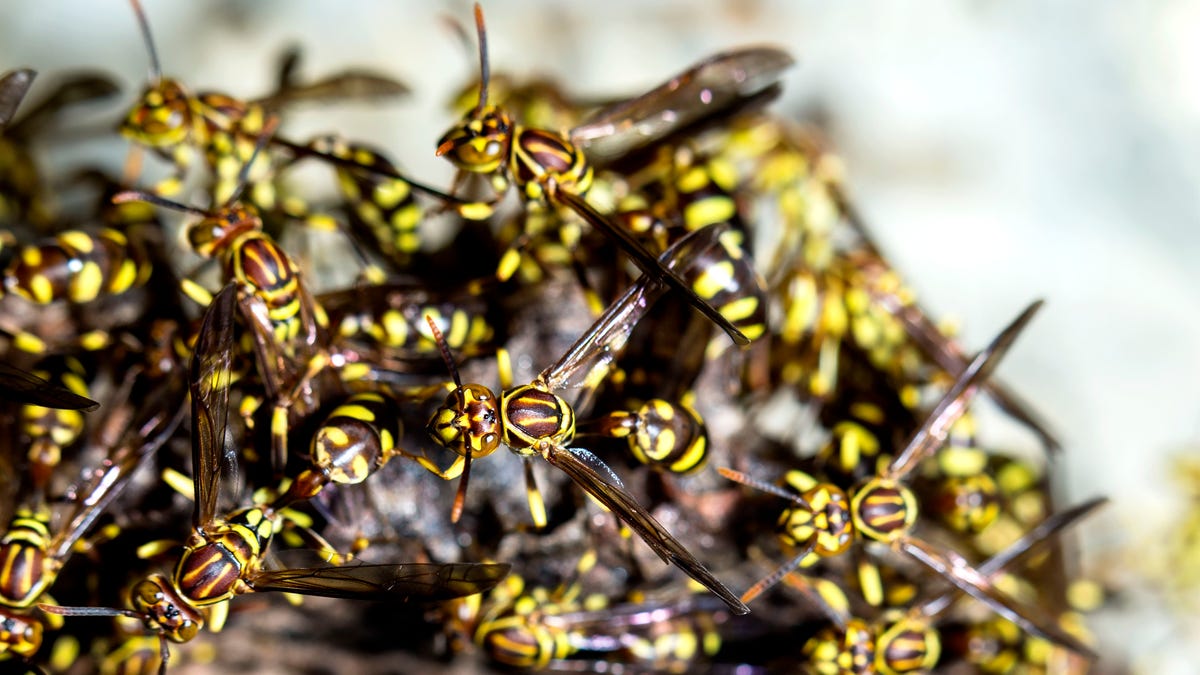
264	137
484	70
441	342
139	196
155	66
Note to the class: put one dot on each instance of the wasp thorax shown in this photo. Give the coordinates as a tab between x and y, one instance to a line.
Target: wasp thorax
884	510
468	422
533	415
480	142
160	118
211	233
907	646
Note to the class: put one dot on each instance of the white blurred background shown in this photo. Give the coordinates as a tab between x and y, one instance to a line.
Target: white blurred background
1002	151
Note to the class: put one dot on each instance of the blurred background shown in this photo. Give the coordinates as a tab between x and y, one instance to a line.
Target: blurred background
1000	151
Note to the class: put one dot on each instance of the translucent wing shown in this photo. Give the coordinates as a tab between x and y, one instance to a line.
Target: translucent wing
348	85
13	86
1030	542
953	405
705	89
386	582
949	357
649	266
955	569
20	386
212	362
633	514
159	417
76	88
587	360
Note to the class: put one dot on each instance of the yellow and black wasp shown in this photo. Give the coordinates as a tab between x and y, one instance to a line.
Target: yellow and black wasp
533	420
549	168
224	554
180	125
33	550
533	628
904	641
825	520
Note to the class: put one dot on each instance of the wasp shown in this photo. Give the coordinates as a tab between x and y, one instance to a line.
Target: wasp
179	125
834	285
533	420
908	641
33	552
548	167
223	555
99	276
663	429
49	431
882	508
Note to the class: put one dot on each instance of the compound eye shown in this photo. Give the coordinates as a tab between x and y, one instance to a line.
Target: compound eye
187	631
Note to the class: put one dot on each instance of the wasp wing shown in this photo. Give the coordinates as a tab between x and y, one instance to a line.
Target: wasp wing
387	582
76	88
955	569
586	361
1030	542
13	86
351	84
933	433
21	386
211	371
633	514
705	89
161	413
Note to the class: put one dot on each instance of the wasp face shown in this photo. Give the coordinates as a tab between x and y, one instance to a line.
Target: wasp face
468	422
161	118
480	143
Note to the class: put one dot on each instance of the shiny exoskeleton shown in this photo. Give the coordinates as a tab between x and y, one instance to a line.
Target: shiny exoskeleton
33	552
550	168
223	555
533	419
355	440
884	509
180	125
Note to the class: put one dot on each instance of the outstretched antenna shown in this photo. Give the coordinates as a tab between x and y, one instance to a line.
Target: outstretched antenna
460	498
264	137
155	66
484	70
150	198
